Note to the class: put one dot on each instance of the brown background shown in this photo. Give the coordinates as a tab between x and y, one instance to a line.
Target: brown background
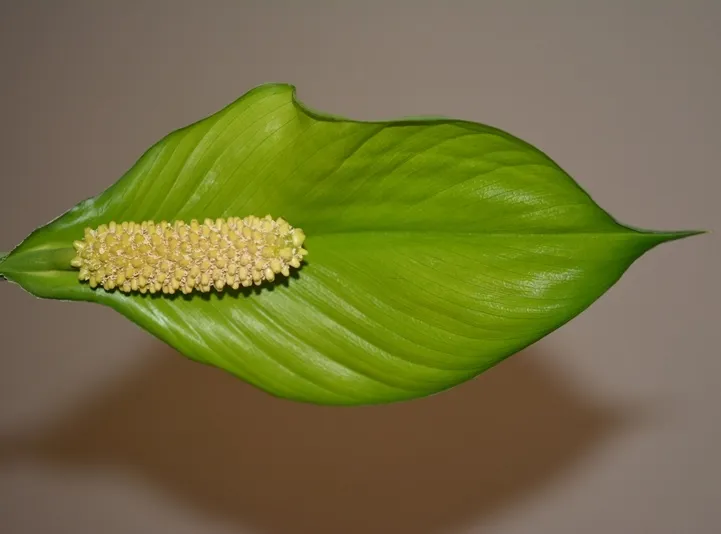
611	424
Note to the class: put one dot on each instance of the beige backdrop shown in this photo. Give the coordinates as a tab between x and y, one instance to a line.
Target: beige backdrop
610	425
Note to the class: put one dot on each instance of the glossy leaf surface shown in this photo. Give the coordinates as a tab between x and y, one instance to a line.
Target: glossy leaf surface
437	248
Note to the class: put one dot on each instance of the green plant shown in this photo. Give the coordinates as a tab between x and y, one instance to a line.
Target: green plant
436	248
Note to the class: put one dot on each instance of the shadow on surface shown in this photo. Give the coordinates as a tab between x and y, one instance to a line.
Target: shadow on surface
420	467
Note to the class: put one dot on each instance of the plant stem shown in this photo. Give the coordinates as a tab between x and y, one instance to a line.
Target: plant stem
3	255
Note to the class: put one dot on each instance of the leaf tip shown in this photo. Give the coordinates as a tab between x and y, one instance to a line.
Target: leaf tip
655	238
681	234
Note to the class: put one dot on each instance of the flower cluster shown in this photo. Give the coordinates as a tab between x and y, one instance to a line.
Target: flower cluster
150	257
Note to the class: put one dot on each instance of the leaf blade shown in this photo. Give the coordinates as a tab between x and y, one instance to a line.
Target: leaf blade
438	247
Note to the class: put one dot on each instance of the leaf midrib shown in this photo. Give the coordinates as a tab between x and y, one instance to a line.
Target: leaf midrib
646	235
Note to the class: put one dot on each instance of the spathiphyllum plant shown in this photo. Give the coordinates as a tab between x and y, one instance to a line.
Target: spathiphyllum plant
336	261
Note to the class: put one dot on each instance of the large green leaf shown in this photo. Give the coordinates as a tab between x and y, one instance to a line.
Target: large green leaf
438	247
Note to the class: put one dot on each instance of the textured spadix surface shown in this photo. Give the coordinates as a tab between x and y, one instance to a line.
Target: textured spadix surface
437	247
186	257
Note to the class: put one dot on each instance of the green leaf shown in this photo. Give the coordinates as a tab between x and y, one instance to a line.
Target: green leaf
438	248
